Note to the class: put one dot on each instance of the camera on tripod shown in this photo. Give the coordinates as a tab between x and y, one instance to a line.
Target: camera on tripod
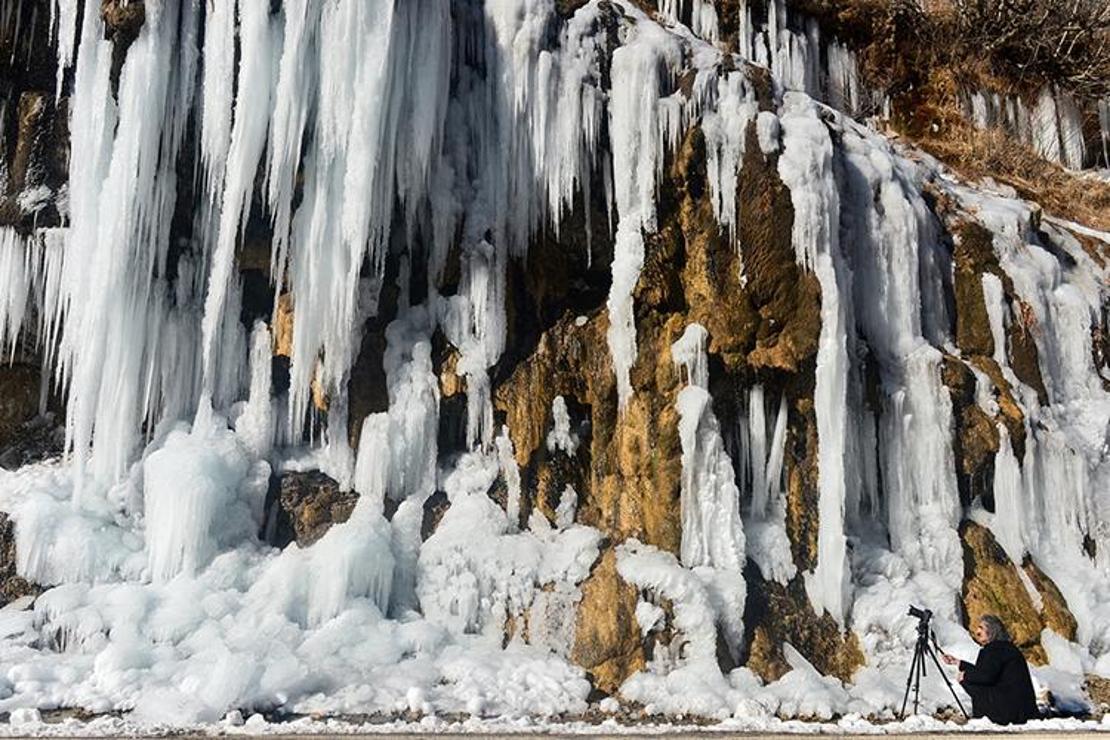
922	650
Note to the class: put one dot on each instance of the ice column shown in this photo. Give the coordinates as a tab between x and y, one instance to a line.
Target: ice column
255	424
634	125
712	533
806	168
511	474
889	229
354	559
561	437
122	192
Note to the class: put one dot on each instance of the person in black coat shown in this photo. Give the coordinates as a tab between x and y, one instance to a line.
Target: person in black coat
998	682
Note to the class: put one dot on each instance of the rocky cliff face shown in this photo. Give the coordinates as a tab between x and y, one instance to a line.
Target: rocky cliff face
574	328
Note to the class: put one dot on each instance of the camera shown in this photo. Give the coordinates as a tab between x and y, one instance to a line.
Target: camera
922	614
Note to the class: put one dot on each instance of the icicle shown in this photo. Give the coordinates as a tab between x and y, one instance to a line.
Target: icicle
292	97
845	90
1073	148
256	423
689	353
15	276
745	34
217	83
637	157
757	450
703	16
511	473
122	188
248	138
1104	130
63	22
561	437
773	477
712	533
980	115
1046	131
806	168
1008	505
726	131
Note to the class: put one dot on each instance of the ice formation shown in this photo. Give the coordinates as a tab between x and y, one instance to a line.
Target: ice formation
806	168
1051	123
394	147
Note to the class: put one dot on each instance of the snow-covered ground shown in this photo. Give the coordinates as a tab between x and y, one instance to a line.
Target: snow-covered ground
165	603
255	725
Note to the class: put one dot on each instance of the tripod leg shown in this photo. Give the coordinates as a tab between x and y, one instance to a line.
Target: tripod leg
920	673
909	680
948	683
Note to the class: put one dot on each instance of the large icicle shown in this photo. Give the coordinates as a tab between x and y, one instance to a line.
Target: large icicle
118	323
372	82
807	170
890	228
248	138
712	532
638	69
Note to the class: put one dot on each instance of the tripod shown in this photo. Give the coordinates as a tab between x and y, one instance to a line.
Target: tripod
917	668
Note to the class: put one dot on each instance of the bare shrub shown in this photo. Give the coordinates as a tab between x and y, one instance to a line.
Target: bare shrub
1063	41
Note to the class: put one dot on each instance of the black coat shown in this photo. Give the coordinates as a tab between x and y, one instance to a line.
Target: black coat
999	684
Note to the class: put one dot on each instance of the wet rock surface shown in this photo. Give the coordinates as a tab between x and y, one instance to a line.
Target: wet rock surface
993	585
12	585
306	506
779	614
19	400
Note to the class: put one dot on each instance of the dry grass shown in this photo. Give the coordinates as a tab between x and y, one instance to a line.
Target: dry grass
1006	45
975	153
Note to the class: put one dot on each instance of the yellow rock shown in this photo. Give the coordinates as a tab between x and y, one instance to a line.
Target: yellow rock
607	640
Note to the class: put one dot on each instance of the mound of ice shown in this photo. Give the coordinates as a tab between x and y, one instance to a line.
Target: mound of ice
192	499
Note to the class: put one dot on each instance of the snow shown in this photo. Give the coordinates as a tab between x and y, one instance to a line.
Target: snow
806	169
561	437
191	500
372	132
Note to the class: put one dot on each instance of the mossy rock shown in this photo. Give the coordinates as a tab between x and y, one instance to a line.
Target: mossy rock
992	585
775	614
607	640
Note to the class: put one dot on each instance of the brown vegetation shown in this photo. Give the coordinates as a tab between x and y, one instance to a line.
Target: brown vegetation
1062	41
925	55
1020	45
976	153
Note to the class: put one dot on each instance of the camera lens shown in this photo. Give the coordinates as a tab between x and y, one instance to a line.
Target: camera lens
919	612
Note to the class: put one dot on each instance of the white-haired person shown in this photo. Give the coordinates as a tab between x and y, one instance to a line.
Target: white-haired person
998	682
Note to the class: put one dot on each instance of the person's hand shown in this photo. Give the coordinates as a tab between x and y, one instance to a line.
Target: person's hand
960	677
950	660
